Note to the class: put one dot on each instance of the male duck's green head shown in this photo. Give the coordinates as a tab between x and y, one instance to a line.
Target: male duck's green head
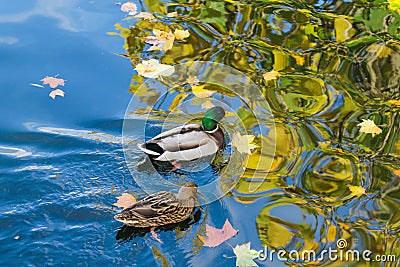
212	117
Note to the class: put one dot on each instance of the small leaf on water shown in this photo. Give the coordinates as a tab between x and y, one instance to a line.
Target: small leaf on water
146	16
368	126
397	172
356	190
160	41
172	14
129	8
181	34
299	59
394	5
271	75
395	102
200	92
207	105
243	143
36	85
56	92
155	236
245	255
214	237
192	81
153	69
125	200
53	81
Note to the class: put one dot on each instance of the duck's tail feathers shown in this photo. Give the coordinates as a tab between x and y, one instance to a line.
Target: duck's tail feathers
147	151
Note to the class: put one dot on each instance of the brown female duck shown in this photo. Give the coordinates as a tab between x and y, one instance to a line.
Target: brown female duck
161	208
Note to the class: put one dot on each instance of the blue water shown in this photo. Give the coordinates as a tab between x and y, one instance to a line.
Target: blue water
61	161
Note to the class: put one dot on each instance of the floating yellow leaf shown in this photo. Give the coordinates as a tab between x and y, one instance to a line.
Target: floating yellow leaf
192	81
299	60
271	75
331	235
172	14
56	92
395	102
394	5
397	172
161	40
245	255
125	201
146	16
177	100
278	235
200	92
153	69
243	143
181	34
356	190
368	126
343	29
129	8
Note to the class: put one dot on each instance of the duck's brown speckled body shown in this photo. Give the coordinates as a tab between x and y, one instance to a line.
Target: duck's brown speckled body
161	208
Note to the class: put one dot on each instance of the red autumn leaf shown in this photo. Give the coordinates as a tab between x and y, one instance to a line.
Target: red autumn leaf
125	200
214	237
53	81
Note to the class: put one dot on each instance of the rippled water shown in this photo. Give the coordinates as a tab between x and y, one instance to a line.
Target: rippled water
62	163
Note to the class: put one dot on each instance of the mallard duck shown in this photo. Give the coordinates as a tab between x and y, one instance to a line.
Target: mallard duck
161	208
188	142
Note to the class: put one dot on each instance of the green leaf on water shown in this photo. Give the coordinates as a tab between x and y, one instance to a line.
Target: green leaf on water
245	255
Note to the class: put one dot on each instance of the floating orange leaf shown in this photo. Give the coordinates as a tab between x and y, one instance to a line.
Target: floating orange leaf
214	237
125	200
53	81
397	172
56	92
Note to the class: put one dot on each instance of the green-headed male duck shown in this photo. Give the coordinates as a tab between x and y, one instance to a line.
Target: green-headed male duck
188	142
